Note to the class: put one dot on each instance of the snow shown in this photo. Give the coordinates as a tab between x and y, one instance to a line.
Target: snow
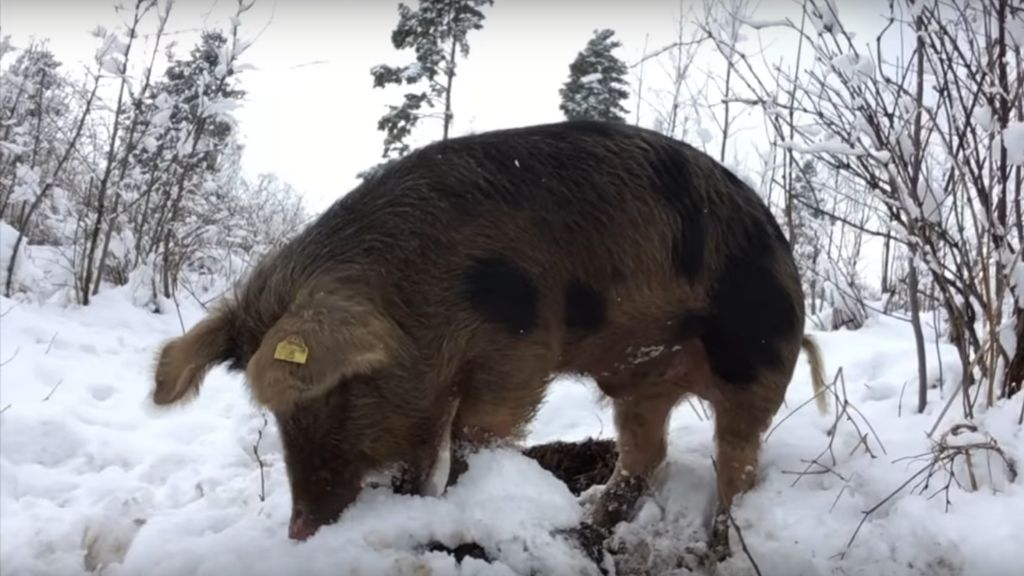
1015	28
1016	268
983	117
834	146
760	24
26	184
222	109
93	477
12	148
591	78
1013	140
40	272
150	143
112	53
857	68
412	72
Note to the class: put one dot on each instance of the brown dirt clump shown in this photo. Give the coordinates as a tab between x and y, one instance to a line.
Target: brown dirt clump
579	464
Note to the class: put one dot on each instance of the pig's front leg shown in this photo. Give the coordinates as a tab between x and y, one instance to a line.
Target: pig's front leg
427	474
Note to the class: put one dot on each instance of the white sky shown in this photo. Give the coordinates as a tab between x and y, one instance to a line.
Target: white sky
311	112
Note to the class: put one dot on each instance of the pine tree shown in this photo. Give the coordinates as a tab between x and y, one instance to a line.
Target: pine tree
196	89
437	32
808	214
808	228
595	88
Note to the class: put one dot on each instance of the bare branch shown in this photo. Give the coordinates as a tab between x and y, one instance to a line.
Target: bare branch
52	390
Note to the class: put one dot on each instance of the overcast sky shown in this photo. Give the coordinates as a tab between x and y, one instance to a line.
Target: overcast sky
311	112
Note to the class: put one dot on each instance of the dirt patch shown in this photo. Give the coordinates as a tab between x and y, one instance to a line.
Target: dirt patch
462	551
580	465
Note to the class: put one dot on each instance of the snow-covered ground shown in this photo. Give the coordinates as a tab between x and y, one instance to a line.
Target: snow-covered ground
93	479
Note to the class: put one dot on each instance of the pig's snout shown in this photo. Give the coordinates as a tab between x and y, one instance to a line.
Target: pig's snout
302	525
310	515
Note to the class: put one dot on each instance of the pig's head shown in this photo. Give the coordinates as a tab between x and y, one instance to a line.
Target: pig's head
321	369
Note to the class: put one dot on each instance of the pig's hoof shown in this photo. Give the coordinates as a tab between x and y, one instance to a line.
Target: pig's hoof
618	501
589	539
718	543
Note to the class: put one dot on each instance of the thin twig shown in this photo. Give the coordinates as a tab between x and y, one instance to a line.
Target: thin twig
788	415
4	409
187	288
862	436
181	321
825	469
942	414
50	345
943	456
6	312
6	362
829	387
54	389
839	495
666	48
867	513
259	460
899	406
870	427
694	408
743	542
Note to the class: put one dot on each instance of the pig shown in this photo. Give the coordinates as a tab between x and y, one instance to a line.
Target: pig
429	308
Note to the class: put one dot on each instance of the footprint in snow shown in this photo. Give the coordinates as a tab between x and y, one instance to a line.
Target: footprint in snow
879	391
101	392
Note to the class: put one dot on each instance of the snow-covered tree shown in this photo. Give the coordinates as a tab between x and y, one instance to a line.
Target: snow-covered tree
186	169
140	183
33	116
437	32
925	136
44	121
808	226
596	89
113	60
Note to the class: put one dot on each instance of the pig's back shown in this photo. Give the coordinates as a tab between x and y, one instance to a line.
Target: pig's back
482	224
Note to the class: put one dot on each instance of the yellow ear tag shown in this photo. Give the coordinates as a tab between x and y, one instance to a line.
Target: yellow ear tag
291	349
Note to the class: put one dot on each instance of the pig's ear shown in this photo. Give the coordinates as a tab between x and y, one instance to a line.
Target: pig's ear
316	345
184	361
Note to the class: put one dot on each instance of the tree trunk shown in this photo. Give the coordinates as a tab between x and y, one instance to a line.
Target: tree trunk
450	73
37	138
921	230
915	321
725	123
166	272
106	247
886	247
